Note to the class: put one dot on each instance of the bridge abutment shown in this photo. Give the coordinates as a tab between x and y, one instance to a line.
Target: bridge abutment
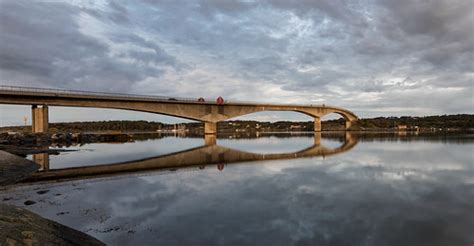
210	128
39	118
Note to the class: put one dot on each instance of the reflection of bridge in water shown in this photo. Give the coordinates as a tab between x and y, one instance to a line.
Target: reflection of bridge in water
208	154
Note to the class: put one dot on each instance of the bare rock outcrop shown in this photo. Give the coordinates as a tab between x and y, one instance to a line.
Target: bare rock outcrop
14	168
22	227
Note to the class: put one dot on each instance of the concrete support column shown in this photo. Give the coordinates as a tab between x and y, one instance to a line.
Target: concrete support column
348	124
317	124
39	118
210	128
210	139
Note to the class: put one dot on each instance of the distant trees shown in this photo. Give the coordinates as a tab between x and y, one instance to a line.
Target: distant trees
460	121
125	125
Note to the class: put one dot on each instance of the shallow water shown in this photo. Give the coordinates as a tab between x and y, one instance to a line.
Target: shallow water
271	190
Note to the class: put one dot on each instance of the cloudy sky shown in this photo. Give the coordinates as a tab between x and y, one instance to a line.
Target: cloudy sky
376	58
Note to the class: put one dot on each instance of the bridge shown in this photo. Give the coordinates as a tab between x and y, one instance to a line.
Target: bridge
208	154
208	112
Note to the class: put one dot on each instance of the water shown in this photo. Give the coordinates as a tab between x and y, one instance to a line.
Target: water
272	190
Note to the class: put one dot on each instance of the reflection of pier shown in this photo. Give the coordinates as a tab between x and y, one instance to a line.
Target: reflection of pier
42	159
208	154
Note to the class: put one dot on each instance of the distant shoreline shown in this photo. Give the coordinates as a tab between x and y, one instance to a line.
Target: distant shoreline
459	122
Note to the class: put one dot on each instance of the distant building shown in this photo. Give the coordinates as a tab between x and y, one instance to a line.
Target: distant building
402	127
292	127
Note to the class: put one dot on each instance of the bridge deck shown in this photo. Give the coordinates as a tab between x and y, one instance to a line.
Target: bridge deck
60	93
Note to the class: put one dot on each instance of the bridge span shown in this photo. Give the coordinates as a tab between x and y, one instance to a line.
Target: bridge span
208	112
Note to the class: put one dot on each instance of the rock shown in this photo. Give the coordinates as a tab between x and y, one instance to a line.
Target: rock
41	192
24	151
76	136
22	227
14	168
29	202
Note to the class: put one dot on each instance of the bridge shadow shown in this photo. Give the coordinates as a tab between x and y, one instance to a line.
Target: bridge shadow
198	158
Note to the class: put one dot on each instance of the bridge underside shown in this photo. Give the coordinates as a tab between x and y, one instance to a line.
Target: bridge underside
209	113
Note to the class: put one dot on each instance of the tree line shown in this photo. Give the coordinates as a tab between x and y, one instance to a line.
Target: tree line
459	121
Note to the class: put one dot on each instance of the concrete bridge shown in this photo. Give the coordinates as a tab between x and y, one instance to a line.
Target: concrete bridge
208	112
208	154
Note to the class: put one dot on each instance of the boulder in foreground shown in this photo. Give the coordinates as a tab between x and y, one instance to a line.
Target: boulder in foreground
14	168
22	227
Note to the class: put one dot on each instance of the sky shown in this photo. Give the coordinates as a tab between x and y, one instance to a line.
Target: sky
375	58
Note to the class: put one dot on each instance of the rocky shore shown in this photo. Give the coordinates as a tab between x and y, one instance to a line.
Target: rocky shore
41	139
22	227
14	168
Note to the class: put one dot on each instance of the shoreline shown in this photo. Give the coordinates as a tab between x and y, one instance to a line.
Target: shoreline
21	226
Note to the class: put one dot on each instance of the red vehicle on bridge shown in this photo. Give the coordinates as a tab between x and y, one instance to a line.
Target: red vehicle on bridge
220	101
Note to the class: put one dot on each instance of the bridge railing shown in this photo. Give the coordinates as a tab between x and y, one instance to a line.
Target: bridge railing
9	88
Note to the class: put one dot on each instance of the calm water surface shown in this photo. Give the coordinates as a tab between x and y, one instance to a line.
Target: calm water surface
271	190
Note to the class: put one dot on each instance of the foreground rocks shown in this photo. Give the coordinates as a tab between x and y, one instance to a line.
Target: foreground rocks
19	226
14	168
22	227
24	151
60	139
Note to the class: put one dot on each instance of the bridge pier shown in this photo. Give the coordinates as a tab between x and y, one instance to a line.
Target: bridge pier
210	128
39	118
317	124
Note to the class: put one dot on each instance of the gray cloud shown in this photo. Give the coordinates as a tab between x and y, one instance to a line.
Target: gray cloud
437	30
32	47
356	54
119	12
54	51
